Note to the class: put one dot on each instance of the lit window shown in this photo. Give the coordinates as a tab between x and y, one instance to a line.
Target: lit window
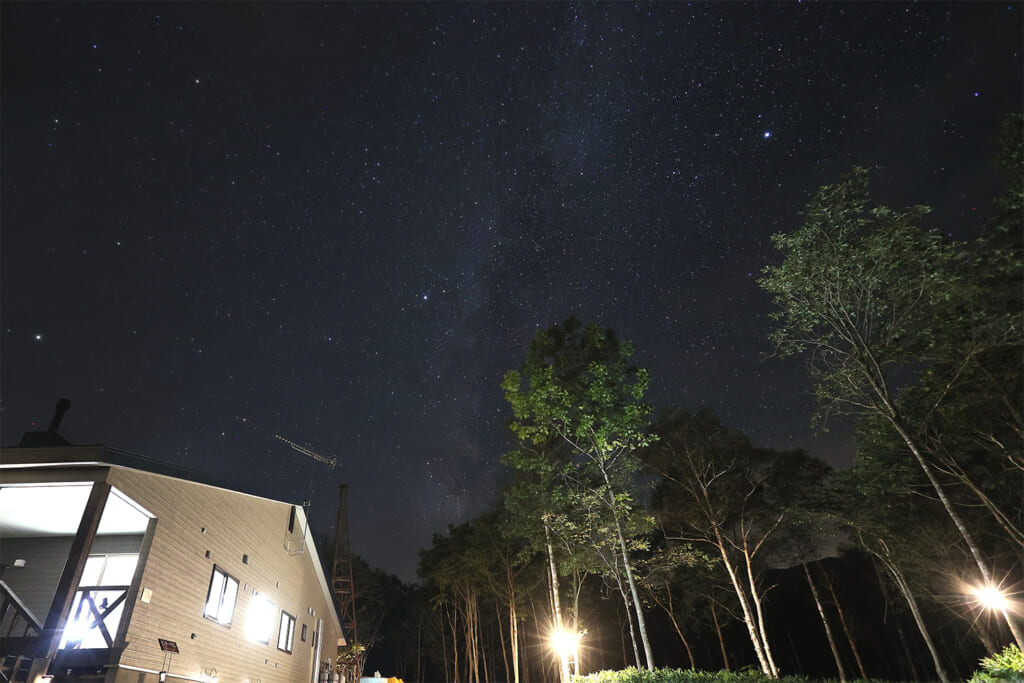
259	622
287	633
220	601
99	601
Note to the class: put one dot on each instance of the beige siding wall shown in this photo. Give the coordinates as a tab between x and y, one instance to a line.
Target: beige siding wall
178	574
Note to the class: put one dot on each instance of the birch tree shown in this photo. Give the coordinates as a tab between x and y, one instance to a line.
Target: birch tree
577	386
720	491
866	294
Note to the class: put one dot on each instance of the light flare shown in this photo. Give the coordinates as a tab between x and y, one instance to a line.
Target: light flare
991	597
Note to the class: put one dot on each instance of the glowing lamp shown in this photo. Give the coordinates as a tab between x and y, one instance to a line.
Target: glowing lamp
565	643
991	597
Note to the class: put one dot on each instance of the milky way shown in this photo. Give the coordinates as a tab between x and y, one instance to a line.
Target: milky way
342	223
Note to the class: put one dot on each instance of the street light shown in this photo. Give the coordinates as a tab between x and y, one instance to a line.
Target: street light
991	597
566	644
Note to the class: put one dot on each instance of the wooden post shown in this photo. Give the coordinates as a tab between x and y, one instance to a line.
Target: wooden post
64	597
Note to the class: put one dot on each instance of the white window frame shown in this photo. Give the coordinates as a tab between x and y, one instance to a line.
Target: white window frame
219	610
286	633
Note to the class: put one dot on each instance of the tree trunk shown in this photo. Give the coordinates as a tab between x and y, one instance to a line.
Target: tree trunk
638	607
748	615
721	640
501	639
1012	531
622	638
629	620
842	620
908	659
481	645
453	620
824	620
419	635
904	589
670	611
556	603
756	598
577	587
986	571
513	624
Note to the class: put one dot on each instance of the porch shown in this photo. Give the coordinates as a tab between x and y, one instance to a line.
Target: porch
71	561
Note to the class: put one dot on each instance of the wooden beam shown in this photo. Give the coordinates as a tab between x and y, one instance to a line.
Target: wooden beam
72	575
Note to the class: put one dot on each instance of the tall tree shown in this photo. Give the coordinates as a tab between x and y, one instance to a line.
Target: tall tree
970	400
673	578
865	292
577	385
719	490
880	504
539	498
457	563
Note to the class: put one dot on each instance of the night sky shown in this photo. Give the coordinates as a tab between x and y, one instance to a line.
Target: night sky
342	223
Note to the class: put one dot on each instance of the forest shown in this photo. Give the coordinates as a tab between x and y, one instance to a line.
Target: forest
632	535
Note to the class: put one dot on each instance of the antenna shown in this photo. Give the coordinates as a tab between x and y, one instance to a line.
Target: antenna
331	464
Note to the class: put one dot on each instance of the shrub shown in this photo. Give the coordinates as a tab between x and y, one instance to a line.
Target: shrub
632	675
1007	665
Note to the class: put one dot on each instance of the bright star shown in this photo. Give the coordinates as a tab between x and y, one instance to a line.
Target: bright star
767	134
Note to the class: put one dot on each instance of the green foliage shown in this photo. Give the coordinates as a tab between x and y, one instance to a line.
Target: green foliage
1011	163
1007	665
715	481
349	656
577	384
632	675
921	338
859	288
578	411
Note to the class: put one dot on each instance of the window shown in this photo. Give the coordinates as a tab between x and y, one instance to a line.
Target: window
259	623
109	570
99	601
220	601
287	633
303	633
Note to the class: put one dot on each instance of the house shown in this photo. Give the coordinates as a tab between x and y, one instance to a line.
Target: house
118	568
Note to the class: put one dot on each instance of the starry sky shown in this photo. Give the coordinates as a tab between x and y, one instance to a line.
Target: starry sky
343	222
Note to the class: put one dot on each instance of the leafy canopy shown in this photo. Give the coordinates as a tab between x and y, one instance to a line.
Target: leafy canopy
860	288
577	384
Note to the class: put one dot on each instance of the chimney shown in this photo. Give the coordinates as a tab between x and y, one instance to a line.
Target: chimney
50	437
63	404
